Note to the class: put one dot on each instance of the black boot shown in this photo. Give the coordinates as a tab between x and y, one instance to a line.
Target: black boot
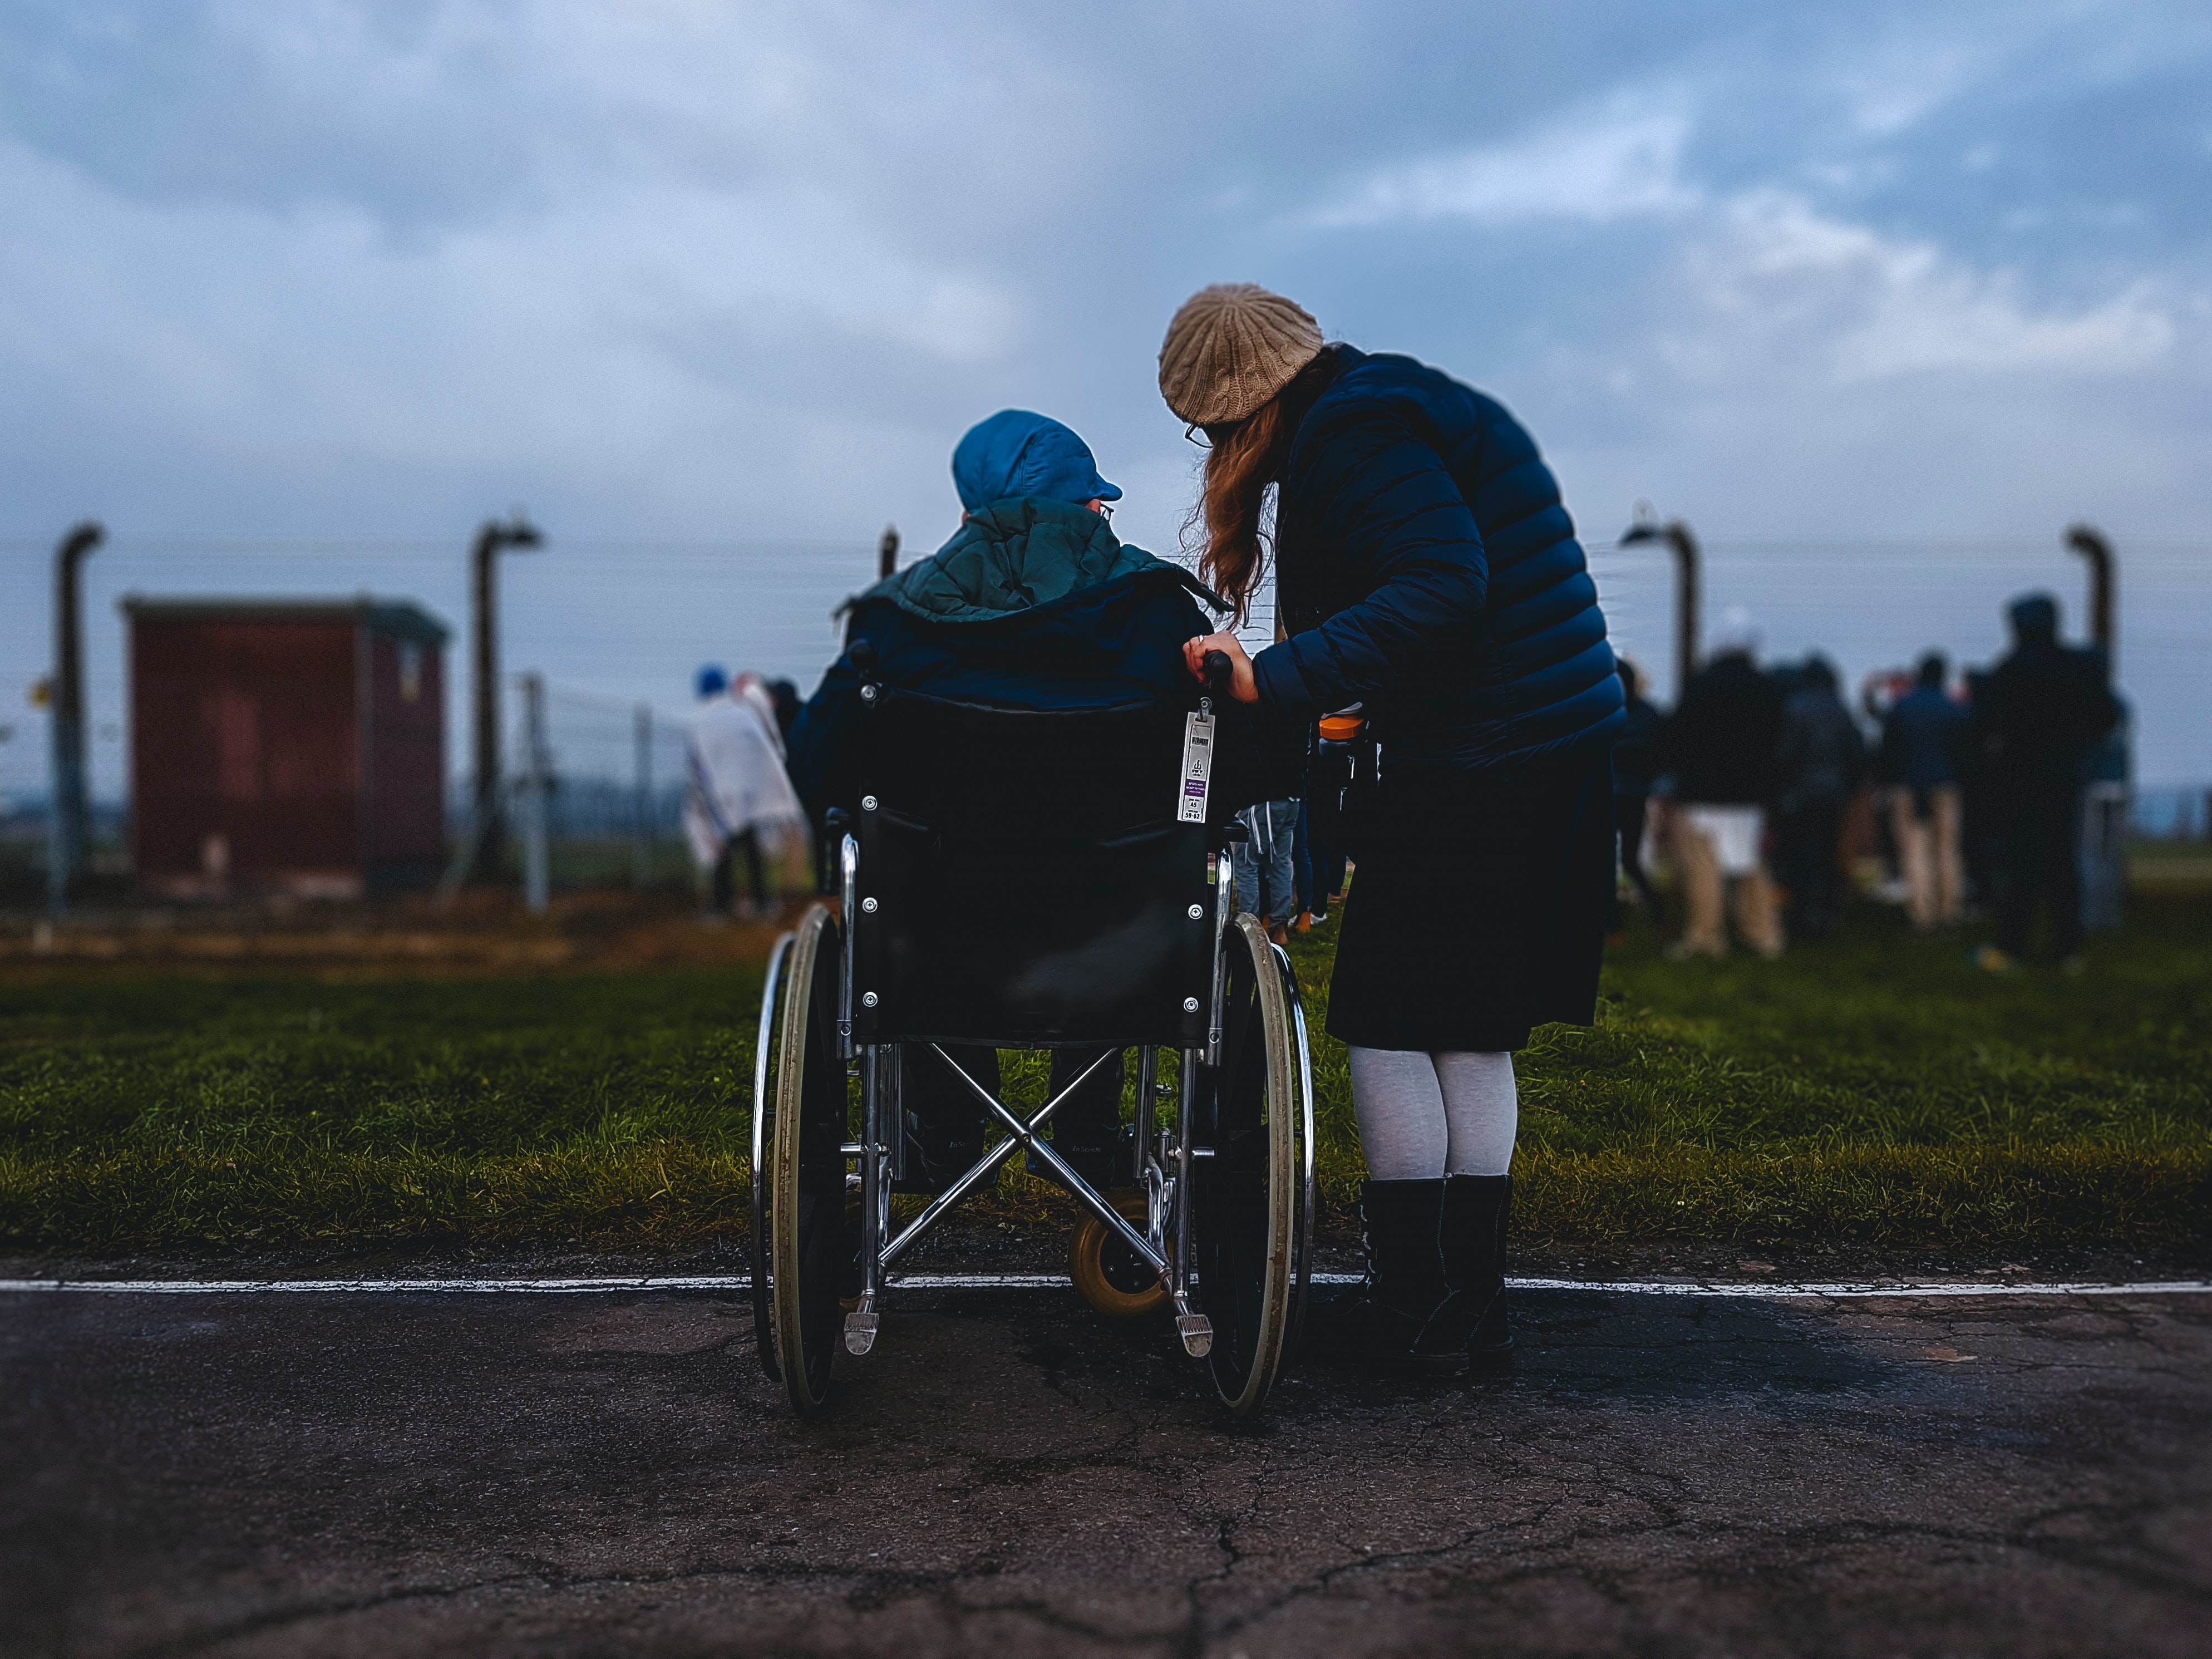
1375	1325
1470	1238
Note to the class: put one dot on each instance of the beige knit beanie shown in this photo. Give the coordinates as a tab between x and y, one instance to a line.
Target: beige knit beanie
1231	348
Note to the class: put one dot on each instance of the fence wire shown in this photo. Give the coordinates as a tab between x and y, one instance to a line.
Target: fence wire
637	616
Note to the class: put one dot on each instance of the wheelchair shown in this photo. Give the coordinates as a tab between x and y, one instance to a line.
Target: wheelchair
1017	879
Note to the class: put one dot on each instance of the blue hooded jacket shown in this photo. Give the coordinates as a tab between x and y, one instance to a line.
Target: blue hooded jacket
1033	604
1426	567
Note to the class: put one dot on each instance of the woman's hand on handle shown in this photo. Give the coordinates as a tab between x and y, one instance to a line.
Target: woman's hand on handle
1242	685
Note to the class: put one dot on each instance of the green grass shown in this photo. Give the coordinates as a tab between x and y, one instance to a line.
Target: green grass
1871	1089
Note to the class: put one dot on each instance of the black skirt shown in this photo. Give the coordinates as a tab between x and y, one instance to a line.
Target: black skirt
1477	909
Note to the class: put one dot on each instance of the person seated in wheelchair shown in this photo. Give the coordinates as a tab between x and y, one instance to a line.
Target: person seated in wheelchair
1033	604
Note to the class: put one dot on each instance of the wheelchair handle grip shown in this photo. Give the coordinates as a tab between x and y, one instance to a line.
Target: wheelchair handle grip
1220	672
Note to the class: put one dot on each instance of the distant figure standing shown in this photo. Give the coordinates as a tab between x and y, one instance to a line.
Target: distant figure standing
1924	739
2045	707
1267	877
1636	767
1822	755
785	696
739	791
1720	744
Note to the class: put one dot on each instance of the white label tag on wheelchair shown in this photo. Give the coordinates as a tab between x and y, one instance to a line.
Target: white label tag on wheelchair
1197	769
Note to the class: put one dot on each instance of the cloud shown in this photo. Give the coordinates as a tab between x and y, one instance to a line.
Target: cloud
1871	308
1608	165
637	330
1902	82
688	267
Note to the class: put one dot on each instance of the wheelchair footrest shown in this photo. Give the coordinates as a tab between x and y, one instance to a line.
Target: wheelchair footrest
1196	1331
860	1332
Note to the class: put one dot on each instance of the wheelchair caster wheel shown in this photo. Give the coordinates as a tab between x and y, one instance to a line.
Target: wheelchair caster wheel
1114	1281
860	1332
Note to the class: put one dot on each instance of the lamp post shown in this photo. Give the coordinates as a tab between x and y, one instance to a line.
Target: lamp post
488	831
66	832
537	784
2103	577
1676	534
641	856
2104	804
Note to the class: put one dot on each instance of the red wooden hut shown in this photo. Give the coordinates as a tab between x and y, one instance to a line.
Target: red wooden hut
286	745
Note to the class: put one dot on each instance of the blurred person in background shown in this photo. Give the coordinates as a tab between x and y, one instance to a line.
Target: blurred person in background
1817	768
784	696
1721	744
1878	694
1924	739
754	692
1322	815
739	802
2042	710
1636	767
1310	869
1981	829
1427	570
1266	865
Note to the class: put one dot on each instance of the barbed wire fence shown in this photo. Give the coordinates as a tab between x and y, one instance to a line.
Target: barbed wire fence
599	782
619	779
658	607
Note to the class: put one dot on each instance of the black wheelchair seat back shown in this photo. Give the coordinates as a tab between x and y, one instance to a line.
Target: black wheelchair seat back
1024	879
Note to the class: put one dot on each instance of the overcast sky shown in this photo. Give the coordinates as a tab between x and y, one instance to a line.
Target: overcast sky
1878	296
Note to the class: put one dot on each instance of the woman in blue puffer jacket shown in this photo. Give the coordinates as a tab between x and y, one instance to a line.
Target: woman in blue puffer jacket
1427	572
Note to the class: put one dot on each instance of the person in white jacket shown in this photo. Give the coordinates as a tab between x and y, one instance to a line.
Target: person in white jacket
740	800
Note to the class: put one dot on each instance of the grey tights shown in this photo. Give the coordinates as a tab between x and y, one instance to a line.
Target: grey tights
1426	1116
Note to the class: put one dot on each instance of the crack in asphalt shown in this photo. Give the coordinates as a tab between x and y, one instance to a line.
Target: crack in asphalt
551	1576
1827	1536
1713	1448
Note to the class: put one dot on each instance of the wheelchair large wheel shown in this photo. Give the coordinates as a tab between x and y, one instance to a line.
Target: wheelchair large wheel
810	1239
1253	1210
763	1153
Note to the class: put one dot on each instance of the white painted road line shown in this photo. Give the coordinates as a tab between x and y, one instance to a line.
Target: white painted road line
1855	1291
1055	1281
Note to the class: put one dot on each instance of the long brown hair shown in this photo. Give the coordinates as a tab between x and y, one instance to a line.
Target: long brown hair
1228	521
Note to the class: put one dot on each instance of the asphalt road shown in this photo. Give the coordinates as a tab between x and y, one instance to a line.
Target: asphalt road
591	1475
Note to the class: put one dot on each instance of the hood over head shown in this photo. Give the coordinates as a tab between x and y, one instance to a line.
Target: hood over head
1019	453
1016	555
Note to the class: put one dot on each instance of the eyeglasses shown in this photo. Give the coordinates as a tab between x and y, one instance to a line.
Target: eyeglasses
1206	437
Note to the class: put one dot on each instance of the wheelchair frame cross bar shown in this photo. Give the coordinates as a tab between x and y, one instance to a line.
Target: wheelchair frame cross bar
1196	1330
1085	1194
1022	1136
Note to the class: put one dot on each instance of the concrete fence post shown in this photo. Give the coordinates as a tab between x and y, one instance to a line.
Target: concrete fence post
69	818
537	876
641	866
